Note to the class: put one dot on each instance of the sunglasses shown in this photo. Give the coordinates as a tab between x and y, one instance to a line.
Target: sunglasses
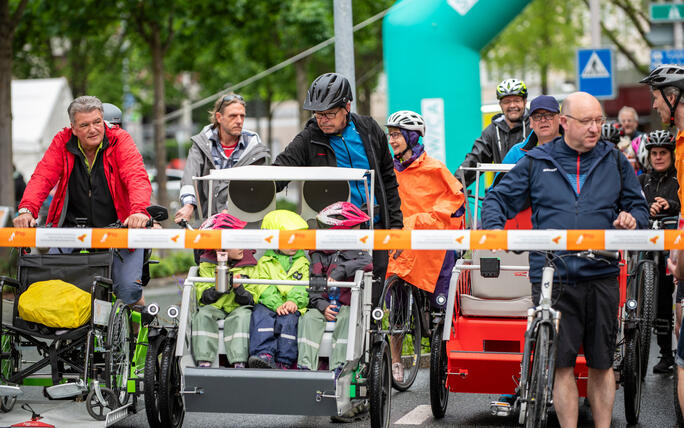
229	99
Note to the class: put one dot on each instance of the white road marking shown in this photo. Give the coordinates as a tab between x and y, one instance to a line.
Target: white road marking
416	416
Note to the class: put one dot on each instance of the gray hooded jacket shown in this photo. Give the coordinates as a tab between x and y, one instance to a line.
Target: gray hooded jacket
200	161
496	140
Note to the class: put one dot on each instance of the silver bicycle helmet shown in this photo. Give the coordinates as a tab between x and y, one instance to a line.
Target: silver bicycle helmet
511	87
659	138
611	132
406	119
664	76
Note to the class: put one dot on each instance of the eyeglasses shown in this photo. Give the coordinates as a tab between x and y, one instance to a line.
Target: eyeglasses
394	135
328	115
540	117
228	99
587	122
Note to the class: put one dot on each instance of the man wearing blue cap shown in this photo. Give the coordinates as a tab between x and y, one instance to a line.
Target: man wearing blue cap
545	124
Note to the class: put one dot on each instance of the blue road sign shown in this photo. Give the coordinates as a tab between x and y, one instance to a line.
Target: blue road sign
596	72
666	56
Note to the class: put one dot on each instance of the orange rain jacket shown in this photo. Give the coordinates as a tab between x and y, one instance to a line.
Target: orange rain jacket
429	195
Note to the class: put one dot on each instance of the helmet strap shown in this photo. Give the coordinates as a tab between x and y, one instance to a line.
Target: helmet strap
673	107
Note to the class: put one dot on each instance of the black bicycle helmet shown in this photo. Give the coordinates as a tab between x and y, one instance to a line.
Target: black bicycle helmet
612	131
328	91
112	114
664	76
659	138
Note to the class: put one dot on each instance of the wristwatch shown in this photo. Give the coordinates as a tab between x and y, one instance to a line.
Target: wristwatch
24	211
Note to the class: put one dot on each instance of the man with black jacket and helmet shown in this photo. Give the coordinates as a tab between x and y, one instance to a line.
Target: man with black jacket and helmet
507	128
337	137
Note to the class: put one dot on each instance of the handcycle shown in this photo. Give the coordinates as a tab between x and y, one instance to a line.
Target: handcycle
175	386
480	347
98	361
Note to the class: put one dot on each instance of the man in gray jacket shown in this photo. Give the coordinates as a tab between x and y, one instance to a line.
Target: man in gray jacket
222	144
507	128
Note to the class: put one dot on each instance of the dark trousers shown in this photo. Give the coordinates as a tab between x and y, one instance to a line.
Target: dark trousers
663	321
270	333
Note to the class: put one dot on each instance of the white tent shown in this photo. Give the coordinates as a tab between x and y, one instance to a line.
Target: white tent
39	111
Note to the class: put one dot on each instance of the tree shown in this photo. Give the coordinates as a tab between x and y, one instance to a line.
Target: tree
10	15
155	21
541	38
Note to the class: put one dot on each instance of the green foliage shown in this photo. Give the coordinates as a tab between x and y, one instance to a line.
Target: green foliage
284	204
543	37
174	263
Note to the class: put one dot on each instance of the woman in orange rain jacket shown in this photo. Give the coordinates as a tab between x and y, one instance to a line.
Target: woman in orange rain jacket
431	198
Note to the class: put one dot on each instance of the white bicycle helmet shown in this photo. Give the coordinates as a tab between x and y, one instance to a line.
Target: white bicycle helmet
642	153
406	119
511	87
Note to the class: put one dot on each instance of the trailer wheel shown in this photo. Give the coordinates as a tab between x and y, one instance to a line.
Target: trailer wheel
380	385
171	409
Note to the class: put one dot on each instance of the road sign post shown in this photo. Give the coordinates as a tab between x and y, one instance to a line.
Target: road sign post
596	72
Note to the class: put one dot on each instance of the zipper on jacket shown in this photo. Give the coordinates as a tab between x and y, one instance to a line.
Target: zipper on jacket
578	174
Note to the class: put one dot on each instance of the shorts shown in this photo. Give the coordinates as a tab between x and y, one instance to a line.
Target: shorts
589	311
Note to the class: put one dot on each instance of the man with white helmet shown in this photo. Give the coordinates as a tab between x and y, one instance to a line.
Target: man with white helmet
506	129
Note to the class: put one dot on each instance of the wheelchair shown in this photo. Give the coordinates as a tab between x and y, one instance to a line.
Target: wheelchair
92	361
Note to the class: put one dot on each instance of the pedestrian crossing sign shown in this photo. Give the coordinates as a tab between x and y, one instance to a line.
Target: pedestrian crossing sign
596	72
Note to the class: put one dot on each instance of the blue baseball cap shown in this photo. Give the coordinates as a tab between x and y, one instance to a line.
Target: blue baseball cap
544	102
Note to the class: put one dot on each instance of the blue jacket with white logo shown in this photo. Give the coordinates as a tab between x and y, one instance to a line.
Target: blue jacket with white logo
568	190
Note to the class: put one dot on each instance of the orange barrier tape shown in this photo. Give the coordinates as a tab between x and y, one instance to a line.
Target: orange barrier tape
346	239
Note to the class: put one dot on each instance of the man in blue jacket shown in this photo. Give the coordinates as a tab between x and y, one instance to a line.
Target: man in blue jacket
576	181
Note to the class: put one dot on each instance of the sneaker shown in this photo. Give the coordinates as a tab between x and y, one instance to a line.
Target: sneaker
204	364
261	361
357	413
664	366
398	372
239	365
507	398
283	366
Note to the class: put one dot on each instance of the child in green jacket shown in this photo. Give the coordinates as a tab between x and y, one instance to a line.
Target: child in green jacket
234	306
273	330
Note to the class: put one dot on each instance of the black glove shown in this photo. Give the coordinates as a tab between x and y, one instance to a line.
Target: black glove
209	296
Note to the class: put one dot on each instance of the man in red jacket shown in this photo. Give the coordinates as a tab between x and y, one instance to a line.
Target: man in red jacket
99	176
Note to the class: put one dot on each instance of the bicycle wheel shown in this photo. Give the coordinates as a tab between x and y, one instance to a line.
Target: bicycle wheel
631	372
677	407
151	381
405	317
9	345
171	409
120	344
379	385
538	395
439	393
646	301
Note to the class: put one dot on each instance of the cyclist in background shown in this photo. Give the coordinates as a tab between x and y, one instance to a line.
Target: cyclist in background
660	188
611	132
507	128
431	198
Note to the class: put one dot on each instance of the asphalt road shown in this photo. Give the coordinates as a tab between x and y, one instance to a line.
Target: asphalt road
408	408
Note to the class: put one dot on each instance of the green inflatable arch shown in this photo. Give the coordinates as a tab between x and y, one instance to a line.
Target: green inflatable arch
432	60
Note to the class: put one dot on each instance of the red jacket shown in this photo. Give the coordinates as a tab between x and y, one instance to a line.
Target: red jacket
128	182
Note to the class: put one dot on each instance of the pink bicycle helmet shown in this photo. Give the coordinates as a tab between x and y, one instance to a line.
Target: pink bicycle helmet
223	221
341	215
